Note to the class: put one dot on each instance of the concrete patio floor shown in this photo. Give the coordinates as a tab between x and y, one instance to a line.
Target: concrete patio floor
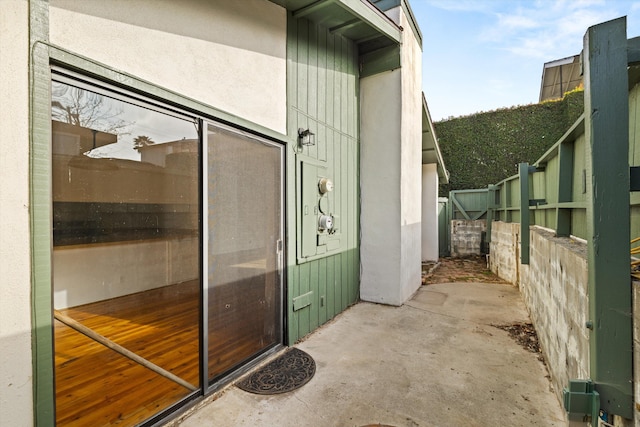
436	361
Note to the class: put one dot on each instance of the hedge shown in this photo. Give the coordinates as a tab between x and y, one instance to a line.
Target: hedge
485	148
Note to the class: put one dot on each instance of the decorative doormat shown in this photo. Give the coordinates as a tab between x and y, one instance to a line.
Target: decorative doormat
287	372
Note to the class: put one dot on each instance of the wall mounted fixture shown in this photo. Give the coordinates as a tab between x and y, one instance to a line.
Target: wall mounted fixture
306	137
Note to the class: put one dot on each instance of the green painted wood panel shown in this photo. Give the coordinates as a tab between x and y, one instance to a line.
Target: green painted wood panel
634	154
634	126
608	216
322	93
40	213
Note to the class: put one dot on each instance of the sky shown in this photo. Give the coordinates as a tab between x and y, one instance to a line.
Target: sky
483	55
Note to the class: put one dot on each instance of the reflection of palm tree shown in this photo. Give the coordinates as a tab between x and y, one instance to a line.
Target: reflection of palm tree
142	141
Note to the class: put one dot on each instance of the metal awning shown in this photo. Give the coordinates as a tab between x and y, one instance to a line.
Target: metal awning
430	148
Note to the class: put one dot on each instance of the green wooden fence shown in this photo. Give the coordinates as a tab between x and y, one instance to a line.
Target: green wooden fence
581	187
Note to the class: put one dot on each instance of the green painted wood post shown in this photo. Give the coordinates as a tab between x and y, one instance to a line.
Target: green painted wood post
565	186
40	211
523	172
491	206
449	225
608	220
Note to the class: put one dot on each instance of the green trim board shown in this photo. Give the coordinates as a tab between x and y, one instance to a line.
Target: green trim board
571	134
523	169
633	50
40	212
378	61
565	187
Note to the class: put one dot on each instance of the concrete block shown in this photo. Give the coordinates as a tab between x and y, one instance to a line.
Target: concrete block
554	287
466	237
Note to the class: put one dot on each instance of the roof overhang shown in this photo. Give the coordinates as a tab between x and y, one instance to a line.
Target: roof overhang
430	148
385	5
357	20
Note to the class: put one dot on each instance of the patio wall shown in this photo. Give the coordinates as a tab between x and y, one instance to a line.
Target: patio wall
554	288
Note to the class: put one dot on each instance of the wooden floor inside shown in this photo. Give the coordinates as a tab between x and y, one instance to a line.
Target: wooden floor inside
96	386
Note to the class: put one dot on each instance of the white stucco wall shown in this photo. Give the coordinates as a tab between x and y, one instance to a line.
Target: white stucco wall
380	243
391	177
16	384
411	160
230	55
430	236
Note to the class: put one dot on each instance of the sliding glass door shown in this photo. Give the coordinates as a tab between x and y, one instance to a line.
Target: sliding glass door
243	233
167	253
126	256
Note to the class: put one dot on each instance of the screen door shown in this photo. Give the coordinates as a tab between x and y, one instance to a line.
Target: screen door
243	245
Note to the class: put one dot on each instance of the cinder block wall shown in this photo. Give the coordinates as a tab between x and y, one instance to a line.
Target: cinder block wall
466	237
504	251
554	288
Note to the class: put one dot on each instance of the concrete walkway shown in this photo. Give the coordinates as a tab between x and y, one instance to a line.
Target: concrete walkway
436	361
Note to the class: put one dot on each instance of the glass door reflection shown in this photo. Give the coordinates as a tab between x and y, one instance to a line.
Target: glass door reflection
244	239
126	257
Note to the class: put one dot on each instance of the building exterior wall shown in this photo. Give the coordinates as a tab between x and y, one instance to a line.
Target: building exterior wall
323	90
430	237
379	186
231	55
391	176
16	384
244	69
554	288
411	160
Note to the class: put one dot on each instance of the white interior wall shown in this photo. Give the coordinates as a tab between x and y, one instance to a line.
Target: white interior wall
230	55
85	274
430	249
16	401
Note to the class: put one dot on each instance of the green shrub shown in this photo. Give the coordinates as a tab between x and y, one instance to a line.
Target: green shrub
485	148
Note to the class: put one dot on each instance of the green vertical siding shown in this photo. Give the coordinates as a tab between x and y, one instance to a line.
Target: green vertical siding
322	92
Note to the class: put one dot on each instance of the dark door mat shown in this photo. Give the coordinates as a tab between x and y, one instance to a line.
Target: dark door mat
289	371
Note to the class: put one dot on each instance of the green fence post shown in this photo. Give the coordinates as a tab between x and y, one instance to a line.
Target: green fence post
491	207
565	186
608	220
523	172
